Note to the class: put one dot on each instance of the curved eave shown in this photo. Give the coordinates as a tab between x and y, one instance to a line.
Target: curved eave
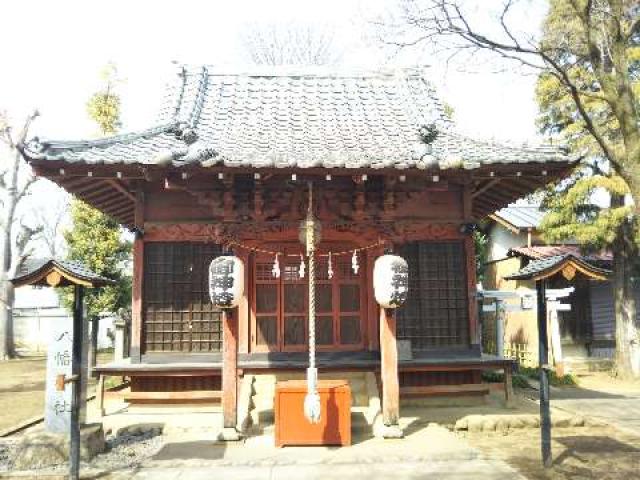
111	187
542	269
67	277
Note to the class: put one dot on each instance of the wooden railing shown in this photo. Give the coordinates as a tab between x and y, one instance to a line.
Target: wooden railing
520	352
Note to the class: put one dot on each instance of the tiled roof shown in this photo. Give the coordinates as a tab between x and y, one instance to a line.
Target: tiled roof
545	251
307	118
33	268
537	269
521	216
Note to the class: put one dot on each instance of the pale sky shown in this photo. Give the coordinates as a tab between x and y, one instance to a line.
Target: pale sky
53	51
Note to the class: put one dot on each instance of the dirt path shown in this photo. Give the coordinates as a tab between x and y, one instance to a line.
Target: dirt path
21	390
601	396
611	451
585	453
22	385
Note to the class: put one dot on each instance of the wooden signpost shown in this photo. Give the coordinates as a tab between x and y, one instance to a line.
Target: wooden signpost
54	273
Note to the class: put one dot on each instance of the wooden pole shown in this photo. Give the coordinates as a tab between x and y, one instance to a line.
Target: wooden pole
229	369
93	346
543	360
389	368
76	372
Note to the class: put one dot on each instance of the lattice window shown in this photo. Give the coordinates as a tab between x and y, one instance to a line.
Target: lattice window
281	305
437	311
178	314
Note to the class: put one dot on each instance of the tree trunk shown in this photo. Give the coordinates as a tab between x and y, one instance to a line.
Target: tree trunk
7	346
627	349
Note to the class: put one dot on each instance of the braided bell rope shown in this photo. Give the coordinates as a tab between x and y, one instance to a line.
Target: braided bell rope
312	399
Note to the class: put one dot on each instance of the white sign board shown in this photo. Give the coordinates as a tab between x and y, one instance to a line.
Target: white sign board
57	409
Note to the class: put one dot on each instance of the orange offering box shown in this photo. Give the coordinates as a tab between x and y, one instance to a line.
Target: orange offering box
293	428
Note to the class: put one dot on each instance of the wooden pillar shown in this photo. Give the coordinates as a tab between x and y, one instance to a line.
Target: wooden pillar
543	360
243	307
470	252
135	348
229	369
372	323
389	368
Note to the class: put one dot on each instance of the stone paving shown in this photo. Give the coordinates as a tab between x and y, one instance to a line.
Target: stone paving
470	469
426	452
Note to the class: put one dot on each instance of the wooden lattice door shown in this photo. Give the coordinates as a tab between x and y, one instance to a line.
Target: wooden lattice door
281	314
177	313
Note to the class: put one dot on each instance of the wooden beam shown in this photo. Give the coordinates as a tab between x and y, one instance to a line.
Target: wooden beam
94	187
75	182
119	209
467	203
489	184
389	368
115	200
463	389
121	188
179	395
229	368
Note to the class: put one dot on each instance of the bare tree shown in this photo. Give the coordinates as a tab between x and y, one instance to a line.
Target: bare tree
589	48
290	44
16	238
600	36
51	220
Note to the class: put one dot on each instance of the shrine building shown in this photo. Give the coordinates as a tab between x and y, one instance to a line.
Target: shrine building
227	166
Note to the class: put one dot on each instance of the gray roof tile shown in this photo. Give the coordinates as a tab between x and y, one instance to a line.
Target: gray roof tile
536	268
31	267
521	216
283	118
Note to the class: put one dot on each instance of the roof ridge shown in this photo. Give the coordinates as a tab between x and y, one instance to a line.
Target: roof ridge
509	145
37	144
302	71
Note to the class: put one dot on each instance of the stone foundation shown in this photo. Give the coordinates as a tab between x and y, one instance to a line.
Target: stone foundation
42	449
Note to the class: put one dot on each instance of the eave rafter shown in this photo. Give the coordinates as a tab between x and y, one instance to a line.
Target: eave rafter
112	188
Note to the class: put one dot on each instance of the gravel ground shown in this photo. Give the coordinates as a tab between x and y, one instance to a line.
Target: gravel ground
127	449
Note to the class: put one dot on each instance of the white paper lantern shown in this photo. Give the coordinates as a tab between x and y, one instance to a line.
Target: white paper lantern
391	281
226	281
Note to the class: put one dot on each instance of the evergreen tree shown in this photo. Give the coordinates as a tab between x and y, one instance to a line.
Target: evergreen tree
94	238
574	211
